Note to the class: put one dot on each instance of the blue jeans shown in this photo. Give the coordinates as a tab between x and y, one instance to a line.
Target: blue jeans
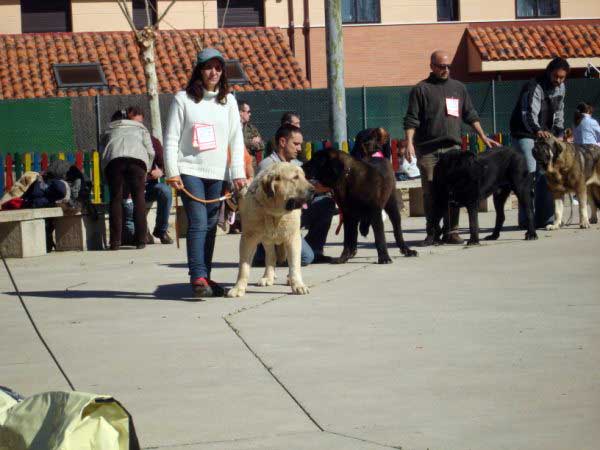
541	198
317	220
163	196
307	256
155	192
202	223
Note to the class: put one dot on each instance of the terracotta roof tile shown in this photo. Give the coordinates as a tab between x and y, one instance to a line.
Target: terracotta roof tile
536	41
26	60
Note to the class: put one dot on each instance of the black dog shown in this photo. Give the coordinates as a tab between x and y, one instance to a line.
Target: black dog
362	190
463	179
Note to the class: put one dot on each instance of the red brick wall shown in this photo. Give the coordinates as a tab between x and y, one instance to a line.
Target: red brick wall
398	55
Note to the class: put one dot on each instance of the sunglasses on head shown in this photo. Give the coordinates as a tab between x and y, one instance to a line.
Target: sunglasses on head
442	66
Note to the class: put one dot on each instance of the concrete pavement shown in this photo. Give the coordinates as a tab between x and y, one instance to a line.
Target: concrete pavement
494	347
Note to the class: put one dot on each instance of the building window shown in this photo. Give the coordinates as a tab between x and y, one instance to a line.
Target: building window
447	10
361	11
240	13
527	9
44	16
138	8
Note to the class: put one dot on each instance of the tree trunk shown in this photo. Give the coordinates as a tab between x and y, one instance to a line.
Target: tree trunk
146	43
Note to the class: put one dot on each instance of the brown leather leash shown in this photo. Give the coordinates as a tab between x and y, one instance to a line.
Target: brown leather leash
226	197
201	200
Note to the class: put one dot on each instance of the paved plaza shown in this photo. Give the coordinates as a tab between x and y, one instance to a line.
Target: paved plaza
491	347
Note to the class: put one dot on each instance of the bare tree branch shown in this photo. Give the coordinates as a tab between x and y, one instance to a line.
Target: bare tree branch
123	5
164	12
148	20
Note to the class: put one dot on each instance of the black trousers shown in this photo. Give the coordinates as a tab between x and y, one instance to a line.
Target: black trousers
129	173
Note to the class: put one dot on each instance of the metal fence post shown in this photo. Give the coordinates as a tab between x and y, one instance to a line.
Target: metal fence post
364	105
98	122
494	104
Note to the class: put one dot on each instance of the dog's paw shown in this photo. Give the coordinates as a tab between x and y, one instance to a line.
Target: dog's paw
340	260
584	225
471	242
264	281
408	252
236	291
384	259
299	289
594	220
552	226
531	236
491	237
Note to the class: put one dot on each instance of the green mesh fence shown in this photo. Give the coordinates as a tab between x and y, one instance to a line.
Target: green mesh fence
36	125
49	124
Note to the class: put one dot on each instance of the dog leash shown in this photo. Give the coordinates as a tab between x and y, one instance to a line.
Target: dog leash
226	197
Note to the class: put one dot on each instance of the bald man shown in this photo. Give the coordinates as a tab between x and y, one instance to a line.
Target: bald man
437	107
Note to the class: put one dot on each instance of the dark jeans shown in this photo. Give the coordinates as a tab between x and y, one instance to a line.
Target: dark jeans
317	219
155	192
129	173
541	198
426	163
202	223
163	196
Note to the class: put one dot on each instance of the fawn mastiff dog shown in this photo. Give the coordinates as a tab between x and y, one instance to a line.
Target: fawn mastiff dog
570	168
270	213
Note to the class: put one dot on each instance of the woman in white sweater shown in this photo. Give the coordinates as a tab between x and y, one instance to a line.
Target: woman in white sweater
202	127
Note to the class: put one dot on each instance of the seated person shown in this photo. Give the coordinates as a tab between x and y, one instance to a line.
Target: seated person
291	118
318	215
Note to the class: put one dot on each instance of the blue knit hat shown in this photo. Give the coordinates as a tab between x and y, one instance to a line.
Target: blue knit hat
208	54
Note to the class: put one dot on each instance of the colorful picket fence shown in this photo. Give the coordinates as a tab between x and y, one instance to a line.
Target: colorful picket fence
12	166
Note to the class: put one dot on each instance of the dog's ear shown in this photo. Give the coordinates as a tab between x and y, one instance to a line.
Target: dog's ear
269	185
558	146
382	136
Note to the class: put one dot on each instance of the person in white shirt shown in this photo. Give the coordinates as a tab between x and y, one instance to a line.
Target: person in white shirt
203	126
587	129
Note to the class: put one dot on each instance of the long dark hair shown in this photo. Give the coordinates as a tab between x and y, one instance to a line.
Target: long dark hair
195	88
557	63
582	108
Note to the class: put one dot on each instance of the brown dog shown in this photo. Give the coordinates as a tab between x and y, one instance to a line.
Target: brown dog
362	190
570	168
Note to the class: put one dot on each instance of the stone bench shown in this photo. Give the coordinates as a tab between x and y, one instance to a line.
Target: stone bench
23	231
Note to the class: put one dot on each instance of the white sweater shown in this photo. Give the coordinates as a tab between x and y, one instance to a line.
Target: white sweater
183	158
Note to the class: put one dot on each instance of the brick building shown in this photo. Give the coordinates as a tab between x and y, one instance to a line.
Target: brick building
387	42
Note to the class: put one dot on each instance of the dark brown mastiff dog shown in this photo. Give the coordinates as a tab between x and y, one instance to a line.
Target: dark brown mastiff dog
362	190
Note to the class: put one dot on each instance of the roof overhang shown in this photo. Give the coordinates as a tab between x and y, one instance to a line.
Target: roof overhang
531	46
478	65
